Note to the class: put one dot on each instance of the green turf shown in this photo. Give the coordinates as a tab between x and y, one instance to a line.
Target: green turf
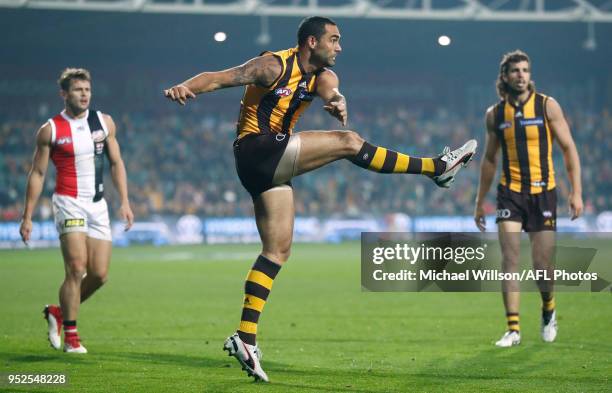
159	324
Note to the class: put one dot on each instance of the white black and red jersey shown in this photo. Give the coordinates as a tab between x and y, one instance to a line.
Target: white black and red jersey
78	147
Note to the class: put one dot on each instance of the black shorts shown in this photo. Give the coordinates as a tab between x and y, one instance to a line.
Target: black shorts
257	157
537	212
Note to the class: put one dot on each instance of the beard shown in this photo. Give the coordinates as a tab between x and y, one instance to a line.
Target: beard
324	61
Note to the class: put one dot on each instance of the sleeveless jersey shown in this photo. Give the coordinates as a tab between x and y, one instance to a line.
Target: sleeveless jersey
275	109
78	147
526	141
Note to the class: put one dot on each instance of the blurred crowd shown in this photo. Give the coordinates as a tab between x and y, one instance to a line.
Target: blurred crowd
182	162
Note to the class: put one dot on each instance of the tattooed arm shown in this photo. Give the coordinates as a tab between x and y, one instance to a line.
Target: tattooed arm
261	71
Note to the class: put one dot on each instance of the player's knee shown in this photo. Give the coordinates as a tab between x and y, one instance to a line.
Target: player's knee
510	263
352	142
99	277
541	257
279	255
285	254
76	269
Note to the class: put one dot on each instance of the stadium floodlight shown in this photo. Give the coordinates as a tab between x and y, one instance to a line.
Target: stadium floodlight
220	36
444	40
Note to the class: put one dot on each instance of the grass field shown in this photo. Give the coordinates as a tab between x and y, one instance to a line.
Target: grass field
160	322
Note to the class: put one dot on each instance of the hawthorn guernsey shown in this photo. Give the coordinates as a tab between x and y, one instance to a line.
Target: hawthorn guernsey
77	150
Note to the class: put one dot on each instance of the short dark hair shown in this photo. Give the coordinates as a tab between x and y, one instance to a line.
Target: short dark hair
312	25
72	73
513	57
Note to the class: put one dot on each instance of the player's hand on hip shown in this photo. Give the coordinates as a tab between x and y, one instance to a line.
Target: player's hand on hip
125	212
179	93
575	205
338	110
25	230
479	218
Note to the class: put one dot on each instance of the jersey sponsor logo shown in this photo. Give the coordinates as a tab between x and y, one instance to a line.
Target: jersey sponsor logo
505	125
536	121
519	114
65	140
282	92
303	85
98	135
538	184
74	222
547	214
502	213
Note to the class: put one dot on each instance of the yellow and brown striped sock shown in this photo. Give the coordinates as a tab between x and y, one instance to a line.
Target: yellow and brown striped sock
513	321
548	306
380	159
256	290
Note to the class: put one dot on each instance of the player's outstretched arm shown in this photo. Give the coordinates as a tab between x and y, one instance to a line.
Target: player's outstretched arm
561	132
335	103
261	71
118	172
36	179
488	166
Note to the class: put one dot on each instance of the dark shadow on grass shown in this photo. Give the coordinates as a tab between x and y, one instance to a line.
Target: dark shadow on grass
318	388
27	358
41	358
485	365
272	368
183	360
168	359
335	340
33	389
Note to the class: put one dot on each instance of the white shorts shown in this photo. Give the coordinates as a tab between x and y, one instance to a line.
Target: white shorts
74	215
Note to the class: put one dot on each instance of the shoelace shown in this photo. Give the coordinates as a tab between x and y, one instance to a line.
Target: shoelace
73	341
452	155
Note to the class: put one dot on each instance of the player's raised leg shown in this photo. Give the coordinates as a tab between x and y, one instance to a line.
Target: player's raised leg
318	148
510	242
274	215
74	250
542	249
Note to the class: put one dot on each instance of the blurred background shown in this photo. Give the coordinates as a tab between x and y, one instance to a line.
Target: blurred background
407	89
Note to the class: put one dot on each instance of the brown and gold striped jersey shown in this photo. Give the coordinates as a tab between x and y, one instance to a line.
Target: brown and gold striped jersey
526	141
275	109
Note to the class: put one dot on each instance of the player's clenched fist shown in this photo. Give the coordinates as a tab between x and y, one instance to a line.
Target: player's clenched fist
179	93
